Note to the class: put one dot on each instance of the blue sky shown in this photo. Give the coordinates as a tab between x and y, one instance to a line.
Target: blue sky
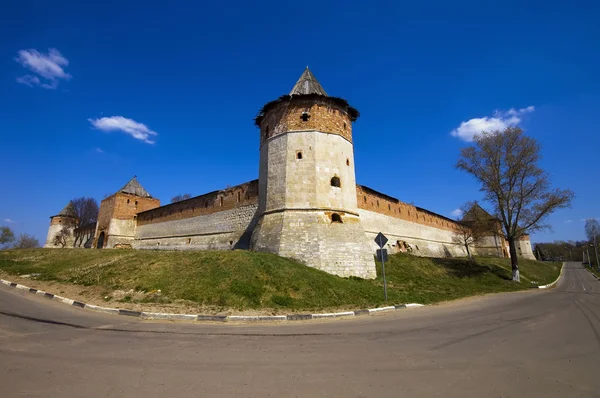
188	78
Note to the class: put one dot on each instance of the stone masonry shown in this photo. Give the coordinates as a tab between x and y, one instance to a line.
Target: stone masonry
305	204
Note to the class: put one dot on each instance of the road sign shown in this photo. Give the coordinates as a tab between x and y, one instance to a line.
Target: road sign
381	240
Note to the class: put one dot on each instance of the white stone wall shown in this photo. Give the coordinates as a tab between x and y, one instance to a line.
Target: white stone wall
310	237
53	230
120	232
286	182
524	249
489	246
422	239
217	231
297	201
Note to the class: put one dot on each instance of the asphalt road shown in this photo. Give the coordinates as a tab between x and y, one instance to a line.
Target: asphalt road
526	344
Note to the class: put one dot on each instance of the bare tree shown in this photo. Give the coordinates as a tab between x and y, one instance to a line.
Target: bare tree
180	197
592	231
472	226
505	163
7	236
26	241
86	209
61	238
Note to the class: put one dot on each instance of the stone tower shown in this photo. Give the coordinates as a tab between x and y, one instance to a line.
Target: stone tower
307	189
117	215
66	219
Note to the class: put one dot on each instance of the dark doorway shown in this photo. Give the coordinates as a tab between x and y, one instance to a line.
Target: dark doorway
100	243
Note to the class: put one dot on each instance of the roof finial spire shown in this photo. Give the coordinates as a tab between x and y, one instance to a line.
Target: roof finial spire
307	84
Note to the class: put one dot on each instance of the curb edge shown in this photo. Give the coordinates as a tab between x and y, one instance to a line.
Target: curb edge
209	318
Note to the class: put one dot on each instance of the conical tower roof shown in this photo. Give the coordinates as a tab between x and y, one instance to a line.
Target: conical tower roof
68	211
307	84
135	188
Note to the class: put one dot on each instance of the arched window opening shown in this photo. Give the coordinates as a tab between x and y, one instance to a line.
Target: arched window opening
299	155
238	196
221	201
347	162
127	201
335	182
336	218
365	198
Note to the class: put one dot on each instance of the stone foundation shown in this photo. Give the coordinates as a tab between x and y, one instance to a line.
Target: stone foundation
310	236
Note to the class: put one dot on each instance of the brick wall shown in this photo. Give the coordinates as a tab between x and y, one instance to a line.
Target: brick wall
371	200
213	202
127	206
116	217
287	116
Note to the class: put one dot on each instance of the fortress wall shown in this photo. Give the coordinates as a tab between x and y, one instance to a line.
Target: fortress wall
410	236
491	246
369	199
223	230
214	202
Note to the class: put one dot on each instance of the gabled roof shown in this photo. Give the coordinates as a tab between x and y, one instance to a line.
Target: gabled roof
477	212
307	84
135	188
68	211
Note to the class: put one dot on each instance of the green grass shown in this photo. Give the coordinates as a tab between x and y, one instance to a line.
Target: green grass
247	280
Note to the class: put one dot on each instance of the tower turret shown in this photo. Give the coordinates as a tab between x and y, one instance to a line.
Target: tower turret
307	186
66	219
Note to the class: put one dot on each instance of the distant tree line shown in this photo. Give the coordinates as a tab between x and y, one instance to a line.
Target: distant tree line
23	241
560	250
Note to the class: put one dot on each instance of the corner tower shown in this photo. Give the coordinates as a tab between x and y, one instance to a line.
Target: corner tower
66	219
307	187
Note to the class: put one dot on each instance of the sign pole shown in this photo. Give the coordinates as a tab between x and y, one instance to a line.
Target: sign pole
384	282
381	240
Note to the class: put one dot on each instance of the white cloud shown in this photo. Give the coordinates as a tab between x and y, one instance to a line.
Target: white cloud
457	212
501	120
29	80
568	221
137	130
8	220
48	66
99	150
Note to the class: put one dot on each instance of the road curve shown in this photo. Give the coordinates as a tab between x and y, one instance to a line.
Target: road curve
524	344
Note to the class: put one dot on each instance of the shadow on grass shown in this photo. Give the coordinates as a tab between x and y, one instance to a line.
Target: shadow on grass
463	268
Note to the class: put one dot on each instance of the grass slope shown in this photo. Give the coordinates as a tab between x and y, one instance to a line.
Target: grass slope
247	280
